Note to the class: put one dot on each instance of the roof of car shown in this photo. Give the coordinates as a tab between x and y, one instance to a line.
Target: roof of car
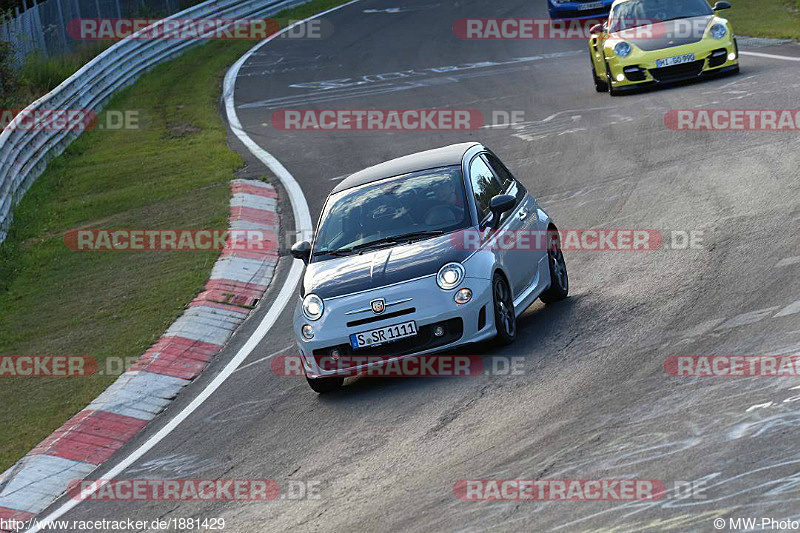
440	157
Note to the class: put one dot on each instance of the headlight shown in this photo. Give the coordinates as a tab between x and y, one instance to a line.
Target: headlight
313	307
450	276
718	31
623	49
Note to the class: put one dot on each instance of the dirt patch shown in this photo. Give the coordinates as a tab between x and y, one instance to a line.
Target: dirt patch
180	129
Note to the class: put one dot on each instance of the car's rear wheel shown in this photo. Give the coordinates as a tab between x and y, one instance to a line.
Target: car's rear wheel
504	318
325	385
599	85
559	280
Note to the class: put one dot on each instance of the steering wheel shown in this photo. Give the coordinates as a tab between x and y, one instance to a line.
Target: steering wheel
443	215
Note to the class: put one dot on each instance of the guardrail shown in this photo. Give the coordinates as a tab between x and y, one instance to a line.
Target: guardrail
24	154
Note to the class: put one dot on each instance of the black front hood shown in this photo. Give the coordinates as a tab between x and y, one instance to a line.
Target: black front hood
669	34
373	269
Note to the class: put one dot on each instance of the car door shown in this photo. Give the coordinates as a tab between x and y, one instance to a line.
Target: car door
485	186
531	248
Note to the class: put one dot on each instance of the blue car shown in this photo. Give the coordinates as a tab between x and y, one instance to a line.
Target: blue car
405	262
572	9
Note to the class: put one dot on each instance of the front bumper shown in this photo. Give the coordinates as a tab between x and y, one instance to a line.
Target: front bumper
578	11
419	300
639	70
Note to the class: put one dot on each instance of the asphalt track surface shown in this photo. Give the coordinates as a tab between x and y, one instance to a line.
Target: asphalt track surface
594	400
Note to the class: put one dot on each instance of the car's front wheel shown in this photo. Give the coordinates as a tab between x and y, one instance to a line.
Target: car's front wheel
504	318
609	85
599	85
559	280
324	385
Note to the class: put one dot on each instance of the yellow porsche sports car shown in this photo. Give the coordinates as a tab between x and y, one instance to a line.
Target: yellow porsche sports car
650	42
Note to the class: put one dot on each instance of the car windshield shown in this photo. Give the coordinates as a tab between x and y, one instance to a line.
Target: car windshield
640	12
398	209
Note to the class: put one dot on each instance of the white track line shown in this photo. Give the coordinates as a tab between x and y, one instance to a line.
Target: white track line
266	358
303	224
769	56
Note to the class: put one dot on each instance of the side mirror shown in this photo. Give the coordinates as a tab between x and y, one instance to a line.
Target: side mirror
597	28
721	6
302	250
499	205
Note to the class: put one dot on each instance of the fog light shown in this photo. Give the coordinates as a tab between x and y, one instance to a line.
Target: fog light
463	296
731	56
308	332
620	77
438	331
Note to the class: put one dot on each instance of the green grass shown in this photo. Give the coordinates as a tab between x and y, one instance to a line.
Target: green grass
765	18
171	173
40	74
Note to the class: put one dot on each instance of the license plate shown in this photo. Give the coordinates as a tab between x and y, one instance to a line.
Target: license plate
375	337
677	60
590	5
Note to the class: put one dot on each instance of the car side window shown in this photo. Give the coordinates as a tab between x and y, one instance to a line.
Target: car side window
510	184
485	186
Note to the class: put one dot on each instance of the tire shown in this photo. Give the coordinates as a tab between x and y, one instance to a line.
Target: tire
599	85
559	279
611	90
505	320
325	385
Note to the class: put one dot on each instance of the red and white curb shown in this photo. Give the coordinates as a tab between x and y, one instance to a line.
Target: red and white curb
238	281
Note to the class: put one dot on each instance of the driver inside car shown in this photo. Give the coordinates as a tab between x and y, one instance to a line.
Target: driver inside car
448	208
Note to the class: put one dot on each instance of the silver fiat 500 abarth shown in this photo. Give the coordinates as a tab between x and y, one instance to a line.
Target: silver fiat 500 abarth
406	262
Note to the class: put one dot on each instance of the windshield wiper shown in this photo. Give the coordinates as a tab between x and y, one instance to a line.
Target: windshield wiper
394	239
348	251
416	234
650	22
340	251
681	17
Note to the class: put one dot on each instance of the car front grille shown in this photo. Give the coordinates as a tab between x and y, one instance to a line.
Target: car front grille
574	13
378	318
677	72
